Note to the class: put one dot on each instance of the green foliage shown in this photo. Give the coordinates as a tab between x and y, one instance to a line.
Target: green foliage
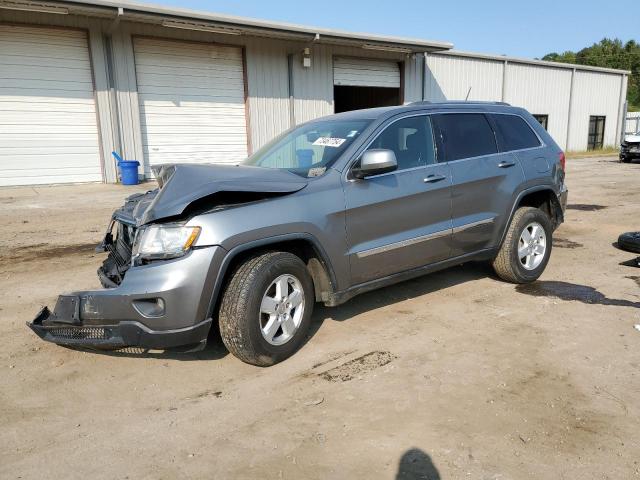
609	53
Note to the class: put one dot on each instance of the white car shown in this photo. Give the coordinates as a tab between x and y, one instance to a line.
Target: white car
630	147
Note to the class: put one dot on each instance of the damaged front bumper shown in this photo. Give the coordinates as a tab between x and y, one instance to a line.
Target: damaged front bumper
125	334
161	305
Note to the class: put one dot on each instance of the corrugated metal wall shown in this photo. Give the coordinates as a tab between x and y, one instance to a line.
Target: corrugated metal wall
270	110
542	91
268	84
313	87
452	78
594	94
414	78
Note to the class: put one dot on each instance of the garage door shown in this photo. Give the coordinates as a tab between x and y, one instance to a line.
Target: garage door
363	72
191	99
48	126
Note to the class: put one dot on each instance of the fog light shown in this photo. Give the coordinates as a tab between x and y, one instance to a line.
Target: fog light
150	307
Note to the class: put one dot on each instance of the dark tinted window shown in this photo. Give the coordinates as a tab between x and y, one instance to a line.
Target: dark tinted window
514	133
410	139
596	132
465	135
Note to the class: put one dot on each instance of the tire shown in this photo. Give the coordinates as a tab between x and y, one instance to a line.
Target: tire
508	265
240	316
630	242
625	159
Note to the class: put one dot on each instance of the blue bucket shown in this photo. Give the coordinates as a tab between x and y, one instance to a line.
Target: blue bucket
128	170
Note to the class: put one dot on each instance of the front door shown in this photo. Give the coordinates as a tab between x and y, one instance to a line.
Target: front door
400	220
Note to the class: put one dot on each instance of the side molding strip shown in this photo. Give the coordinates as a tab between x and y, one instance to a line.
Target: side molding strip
467	226
403	243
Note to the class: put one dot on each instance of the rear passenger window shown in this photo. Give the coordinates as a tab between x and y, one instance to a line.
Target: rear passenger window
514	133
465	135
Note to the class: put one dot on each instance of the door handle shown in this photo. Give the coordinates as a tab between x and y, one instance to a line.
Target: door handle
434	178
506	164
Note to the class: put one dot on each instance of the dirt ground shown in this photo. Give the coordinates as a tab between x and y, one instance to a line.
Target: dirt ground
455	375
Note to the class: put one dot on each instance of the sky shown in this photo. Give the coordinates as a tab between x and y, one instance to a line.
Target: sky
524	29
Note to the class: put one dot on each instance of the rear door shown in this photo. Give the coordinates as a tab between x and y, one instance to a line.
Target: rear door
515	135
483	180
400	220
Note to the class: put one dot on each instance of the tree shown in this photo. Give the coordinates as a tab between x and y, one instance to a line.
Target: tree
609	53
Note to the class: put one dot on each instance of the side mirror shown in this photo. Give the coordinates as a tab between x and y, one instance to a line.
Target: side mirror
375	162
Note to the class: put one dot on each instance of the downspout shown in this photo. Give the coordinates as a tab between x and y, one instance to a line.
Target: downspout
504	80
292	113
113	100
424	75
622	110
570	114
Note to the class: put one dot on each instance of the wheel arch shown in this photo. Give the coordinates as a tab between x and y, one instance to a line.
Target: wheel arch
542	197
303	245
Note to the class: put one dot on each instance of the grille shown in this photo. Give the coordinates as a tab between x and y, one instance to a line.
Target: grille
119	260
120	252
84	333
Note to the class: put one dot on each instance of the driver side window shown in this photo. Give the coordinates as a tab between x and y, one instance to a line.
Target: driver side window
411	140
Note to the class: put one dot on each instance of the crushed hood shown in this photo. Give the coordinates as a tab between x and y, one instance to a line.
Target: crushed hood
181	185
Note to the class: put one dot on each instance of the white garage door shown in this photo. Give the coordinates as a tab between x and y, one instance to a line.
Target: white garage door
366	72
48	126
191	99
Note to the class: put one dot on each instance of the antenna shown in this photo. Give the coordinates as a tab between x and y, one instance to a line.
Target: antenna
468	93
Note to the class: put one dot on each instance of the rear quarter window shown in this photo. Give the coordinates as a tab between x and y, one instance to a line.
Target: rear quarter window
514	133
465	135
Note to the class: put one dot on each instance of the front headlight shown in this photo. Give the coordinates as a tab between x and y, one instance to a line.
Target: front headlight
157	242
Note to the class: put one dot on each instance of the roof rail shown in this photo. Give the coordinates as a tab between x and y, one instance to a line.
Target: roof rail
459	102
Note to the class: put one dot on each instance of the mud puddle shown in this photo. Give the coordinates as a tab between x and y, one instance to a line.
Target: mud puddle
357	367
45	251
572	292
586	207
565	243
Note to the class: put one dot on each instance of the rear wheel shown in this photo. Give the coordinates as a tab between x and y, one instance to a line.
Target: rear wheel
525	251
266	308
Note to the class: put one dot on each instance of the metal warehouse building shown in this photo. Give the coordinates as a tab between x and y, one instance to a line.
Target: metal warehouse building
79	79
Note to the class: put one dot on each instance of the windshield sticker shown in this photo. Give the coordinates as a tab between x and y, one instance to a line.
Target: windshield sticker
316	171
329	142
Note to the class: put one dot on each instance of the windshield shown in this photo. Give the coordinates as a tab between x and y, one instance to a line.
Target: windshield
308	150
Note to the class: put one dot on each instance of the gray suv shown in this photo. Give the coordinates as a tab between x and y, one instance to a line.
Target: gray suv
330	209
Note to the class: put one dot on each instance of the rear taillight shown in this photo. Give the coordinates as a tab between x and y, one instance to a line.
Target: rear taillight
563	161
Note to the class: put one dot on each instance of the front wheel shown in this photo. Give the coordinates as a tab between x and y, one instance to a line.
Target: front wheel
266	308
526	249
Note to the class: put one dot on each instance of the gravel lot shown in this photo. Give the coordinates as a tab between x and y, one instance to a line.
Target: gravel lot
455	375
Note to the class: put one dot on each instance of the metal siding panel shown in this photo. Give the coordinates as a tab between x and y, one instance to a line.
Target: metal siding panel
366	72
594	93
541	90
34	111
268	83
204	102
413	78
313	87
449	78
103	100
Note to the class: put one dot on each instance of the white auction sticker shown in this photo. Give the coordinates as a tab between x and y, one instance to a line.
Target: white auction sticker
329	142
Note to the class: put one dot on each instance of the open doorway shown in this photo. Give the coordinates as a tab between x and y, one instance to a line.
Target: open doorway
366	83
347	97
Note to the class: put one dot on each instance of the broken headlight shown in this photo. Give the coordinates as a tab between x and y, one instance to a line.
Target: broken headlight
159	242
